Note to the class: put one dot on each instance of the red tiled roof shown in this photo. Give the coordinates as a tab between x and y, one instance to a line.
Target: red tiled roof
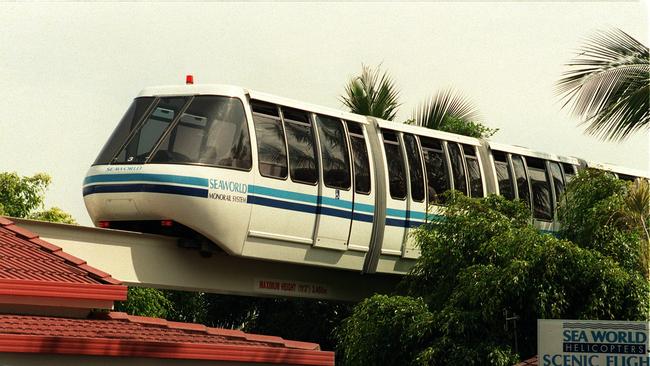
528	362
118	334
31	267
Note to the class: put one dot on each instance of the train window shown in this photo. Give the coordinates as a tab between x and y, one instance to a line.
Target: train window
473	171
457	167
436	169
360	158
523	191
558	182
569	171
211	131
626	177
334	151
302	150
395	160
271	149
156	123
416	174
542	205
504	178
128	123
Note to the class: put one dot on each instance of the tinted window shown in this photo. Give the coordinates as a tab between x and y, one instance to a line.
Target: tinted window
473	171
395	160
521	178
302	150
211	131
436	169
143	141
129	121
360	157
457	167
415	168
542	206
569	171
558	182
334	149
503	175
271	149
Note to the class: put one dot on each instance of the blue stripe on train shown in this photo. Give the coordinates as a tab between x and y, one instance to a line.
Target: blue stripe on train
160	178
145	187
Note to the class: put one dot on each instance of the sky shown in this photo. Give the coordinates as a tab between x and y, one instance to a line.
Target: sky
68	71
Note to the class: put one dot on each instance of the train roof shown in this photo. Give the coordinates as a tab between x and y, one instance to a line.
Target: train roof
424	131
237	91
536	154
618	169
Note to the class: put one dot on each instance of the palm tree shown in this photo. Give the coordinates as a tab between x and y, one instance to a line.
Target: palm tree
450	111
637	210
608	85
445	104
373	93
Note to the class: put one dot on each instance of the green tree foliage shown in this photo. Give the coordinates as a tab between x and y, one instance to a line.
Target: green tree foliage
373	93
146	302
24	197
385	330
608	85
609	215
485	259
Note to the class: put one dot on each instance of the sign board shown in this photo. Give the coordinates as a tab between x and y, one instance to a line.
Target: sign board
291	288
592	343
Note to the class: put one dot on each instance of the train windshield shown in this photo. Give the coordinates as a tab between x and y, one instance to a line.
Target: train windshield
206	130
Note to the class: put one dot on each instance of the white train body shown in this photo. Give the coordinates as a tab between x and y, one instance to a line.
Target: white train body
270	178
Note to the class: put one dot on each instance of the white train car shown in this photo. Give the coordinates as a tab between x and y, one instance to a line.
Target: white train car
260	176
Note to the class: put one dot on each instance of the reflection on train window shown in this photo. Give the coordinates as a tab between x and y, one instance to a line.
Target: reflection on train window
569	172
143	141
626	177
211	131
396	174
415	167
542	206
129	121
558	182
360	158
503	175
271	149
334	150
523	190
302	150
457	167
473	171
436	169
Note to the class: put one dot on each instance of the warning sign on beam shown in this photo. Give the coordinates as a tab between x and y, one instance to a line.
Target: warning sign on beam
290	288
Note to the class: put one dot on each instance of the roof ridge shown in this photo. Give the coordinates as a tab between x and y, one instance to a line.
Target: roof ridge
195	327
57	251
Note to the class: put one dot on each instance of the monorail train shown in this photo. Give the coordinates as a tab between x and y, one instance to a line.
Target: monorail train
260	176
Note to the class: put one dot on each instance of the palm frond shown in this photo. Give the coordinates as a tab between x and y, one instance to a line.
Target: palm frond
446	103
372	93
608	85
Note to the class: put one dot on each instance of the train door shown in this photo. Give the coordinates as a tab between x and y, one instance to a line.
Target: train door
336	194
438	175
364	194
416	214
396	204
285	193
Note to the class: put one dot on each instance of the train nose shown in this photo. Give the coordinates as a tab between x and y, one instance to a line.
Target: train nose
122	207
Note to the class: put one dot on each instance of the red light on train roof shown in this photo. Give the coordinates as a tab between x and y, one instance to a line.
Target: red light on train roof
189	79
104	224
166	223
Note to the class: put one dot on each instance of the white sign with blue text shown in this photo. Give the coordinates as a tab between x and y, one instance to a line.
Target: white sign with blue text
592	343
